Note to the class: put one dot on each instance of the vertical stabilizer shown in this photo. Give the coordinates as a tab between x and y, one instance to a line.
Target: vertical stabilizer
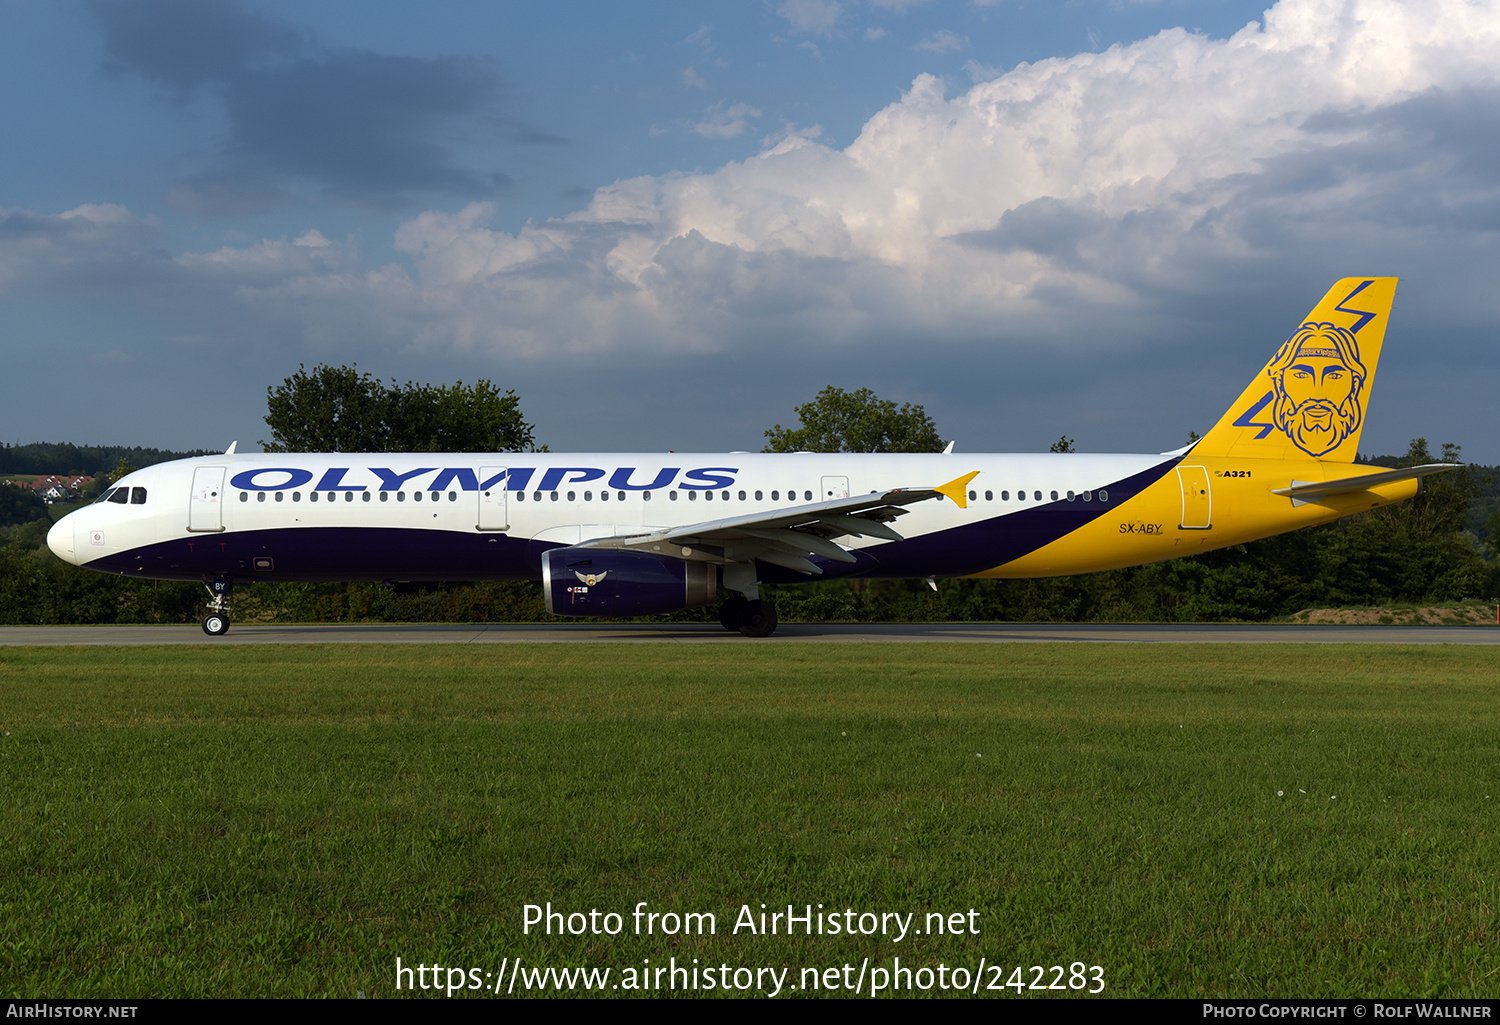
1310	400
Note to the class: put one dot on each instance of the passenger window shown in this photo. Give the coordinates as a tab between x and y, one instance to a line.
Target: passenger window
385	496
807	496
401	496
972	496
742	496
1037	495
280	496
708	496
348	496
536	496
989	496
1088	496
416	496
692	496
520	496
1020	496
621	496
672	495
1005	496
588	496
453	495
1104	496
244	496
312	496
758	496
645	496
725	496
1070	496
572	496
1054	496
776	496
259	497
554	496
364	496
296	496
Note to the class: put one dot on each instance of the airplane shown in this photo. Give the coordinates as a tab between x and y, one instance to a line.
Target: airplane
634	535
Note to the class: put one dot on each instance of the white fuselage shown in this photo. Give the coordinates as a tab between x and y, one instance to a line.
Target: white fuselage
442	516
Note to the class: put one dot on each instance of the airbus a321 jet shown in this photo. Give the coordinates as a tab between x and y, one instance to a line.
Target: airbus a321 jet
635	535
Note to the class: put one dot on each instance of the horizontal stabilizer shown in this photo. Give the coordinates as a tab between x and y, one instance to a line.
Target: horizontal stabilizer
1302	492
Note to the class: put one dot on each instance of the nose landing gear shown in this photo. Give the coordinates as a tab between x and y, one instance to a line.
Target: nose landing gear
216	623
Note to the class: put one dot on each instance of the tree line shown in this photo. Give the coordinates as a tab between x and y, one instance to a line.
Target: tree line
1438	548
82	460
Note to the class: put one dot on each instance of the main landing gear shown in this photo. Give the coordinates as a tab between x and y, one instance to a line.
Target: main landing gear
216	623
751	617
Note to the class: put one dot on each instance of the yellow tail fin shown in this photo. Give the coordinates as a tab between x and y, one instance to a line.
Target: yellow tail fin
1310	400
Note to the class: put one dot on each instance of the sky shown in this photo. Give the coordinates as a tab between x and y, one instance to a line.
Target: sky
666	225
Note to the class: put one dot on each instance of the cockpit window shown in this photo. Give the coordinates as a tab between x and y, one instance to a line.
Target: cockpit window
120	495
137	496
104	497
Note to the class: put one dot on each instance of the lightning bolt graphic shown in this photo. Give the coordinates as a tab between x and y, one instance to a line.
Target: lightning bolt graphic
1364	318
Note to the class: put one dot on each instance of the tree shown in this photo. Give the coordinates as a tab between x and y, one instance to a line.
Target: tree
1063	444
19	505
340	409
840	421
1445	497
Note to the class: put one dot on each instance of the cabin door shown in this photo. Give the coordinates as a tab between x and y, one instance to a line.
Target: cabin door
206	503
1197	500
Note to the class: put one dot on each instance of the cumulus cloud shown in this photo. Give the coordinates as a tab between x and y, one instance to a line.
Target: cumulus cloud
95	243
816	17
943	41
726	122
1047	201
1148	195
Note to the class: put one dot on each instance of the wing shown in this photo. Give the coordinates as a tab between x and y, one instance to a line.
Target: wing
788	537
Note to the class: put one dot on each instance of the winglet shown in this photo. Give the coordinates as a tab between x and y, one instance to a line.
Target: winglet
954	489
230	450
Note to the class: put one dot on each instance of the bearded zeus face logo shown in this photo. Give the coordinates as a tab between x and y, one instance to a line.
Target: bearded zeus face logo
1318	380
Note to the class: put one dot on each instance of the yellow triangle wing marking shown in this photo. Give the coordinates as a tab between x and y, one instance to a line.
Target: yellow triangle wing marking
957	489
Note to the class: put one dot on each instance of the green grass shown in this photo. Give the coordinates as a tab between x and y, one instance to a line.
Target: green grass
1197	820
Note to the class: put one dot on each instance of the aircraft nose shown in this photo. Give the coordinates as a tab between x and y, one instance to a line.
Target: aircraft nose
60	539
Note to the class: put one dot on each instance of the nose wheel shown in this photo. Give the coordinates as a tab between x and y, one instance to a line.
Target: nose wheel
216	623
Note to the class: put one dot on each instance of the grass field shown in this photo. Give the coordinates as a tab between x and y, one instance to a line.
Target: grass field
1195	820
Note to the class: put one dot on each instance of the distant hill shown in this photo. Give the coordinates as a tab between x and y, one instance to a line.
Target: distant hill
89	460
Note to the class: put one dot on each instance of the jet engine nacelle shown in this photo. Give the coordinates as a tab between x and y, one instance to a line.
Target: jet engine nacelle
605	582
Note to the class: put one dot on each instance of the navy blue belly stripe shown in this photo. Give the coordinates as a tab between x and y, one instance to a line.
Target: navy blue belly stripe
975	547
